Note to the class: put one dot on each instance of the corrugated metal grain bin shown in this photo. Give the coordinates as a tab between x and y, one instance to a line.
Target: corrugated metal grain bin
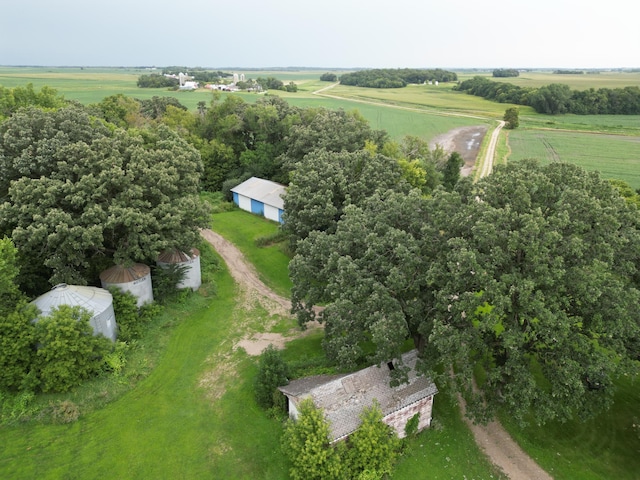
193	276
135	279
98	301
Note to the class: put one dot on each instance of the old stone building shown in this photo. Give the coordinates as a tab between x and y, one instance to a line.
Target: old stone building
343	397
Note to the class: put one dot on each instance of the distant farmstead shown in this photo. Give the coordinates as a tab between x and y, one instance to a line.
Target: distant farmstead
343	397
262	197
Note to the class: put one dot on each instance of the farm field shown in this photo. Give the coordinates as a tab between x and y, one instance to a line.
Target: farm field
614	156
440	98
424	111
576	82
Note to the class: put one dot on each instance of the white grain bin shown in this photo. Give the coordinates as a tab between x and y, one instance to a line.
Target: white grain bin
193	277
97	301
135	279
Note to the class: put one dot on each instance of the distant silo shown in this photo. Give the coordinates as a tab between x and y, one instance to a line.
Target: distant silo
98	301
135	279
193	277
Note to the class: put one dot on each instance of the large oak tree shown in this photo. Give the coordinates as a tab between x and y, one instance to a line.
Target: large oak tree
78	191
529	277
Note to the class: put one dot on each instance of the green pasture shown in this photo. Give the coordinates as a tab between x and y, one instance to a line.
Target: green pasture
242	229
614	156
576	82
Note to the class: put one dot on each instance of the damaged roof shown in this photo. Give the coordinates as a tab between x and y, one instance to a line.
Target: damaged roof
342	397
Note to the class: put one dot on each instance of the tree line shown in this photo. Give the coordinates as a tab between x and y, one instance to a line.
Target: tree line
557	98
155	80
395	78
506	72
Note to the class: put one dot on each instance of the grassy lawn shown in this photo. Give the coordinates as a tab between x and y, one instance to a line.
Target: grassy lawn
242	229
605	447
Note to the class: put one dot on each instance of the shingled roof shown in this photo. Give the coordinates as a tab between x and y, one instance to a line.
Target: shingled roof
342	397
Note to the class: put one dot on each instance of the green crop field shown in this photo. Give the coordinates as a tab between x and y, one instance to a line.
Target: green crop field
577	82
614	156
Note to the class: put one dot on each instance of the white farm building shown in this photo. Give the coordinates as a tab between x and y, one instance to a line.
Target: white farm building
262	197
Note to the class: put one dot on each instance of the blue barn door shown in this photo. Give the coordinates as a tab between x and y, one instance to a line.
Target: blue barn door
257	207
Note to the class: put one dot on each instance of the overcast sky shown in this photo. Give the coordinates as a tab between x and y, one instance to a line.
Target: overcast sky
325	33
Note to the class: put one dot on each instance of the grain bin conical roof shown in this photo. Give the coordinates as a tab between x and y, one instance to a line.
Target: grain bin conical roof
177	256
122	274
98	301
135	279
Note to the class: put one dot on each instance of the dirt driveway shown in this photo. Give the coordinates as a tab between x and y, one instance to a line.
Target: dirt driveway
492	438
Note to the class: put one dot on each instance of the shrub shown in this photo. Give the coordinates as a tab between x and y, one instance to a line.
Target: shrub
68	352
373	447
125	307
16	407
306	444
411	428
64	412
165	282
272	373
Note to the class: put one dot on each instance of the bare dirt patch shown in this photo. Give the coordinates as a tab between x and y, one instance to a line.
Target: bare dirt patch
254	290
464	140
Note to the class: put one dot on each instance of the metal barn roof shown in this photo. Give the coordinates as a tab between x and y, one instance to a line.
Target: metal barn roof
265	191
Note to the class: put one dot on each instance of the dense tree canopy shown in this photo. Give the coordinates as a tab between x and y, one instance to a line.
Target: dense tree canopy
557	98
13	99
531	274
155	80
78	192
506	72
395	78
324	183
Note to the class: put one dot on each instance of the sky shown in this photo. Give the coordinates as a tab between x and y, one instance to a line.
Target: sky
322	34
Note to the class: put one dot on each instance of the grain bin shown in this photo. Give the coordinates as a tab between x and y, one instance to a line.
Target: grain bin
193	278
135	279
98	301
